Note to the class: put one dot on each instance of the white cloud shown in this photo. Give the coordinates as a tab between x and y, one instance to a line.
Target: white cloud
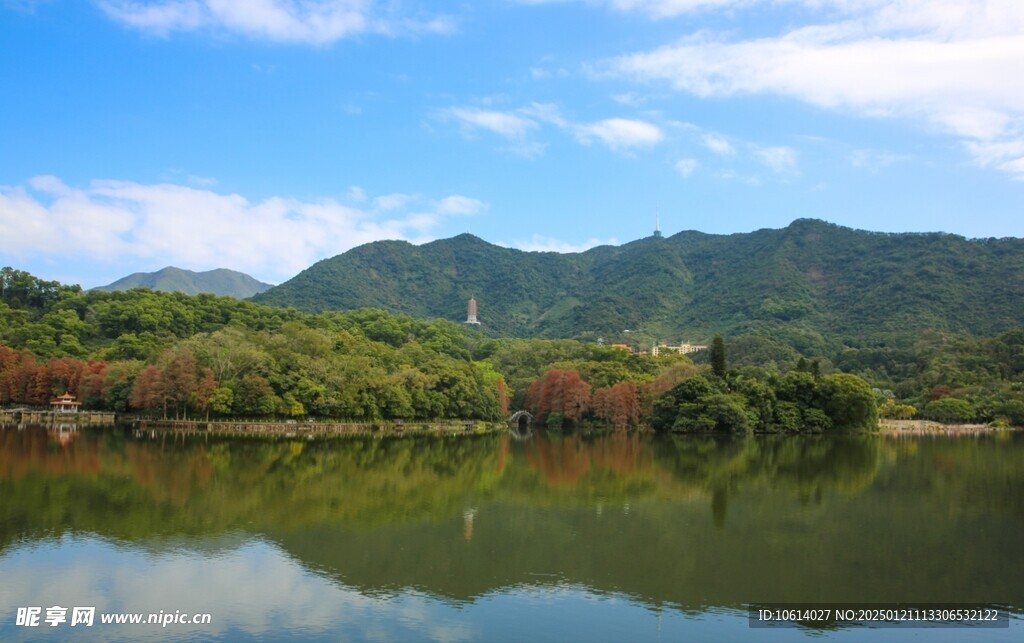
356	194
458	204
296	21
546	113
654	8
686	167
620	133
391	201
670	8
629	98
777	159
949	63
504	124
718	144
201	181
1015	167
538	243
160	224
617	133
947	16
159	18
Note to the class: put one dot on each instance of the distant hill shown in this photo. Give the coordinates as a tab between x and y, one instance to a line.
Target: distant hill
815	285
217	282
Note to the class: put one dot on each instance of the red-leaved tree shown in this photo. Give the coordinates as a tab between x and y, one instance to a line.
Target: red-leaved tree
618	405
559	391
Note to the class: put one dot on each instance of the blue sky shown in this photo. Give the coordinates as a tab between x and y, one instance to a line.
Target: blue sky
265	135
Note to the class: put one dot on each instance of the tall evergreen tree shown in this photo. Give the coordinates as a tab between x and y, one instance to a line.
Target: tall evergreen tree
718	356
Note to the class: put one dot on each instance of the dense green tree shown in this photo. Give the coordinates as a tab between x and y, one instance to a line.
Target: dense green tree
1012	411
254	397
801	388
222	400
684	399
787	417
718	365
760	401
948	409
849	402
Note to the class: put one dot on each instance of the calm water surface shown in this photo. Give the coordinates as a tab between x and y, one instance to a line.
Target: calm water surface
619	537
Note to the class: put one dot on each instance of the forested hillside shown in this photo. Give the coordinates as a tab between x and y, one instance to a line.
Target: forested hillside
815	286
220	281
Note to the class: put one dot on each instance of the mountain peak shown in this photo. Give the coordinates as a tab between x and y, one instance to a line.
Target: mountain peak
219	281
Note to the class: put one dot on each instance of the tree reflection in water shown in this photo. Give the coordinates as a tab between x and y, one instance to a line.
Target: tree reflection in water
689	521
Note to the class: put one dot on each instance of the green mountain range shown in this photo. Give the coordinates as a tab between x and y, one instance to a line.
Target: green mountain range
814	285
216	282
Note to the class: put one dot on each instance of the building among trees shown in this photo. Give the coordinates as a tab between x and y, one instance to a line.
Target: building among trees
682	349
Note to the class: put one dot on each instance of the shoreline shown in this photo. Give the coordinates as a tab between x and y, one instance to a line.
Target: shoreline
928	427
316	430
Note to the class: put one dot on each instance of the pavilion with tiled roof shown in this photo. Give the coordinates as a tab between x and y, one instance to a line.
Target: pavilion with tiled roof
65	404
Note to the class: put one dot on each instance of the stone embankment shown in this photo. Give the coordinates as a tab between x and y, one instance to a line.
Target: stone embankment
927	427
313	430
47	418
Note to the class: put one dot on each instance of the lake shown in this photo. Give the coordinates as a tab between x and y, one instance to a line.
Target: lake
490	538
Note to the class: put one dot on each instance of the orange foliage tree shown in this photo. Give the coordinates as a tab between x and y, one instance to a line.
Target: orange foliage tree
559	391
148	390
617	405
23	380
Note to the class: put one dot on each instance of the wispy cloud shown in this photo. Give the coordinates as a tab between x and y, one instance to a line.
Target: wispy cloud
630	99
654	8
458	204
685	167
778	159
620	134
718	144
156	225
389	202
290	21
505	124
945	62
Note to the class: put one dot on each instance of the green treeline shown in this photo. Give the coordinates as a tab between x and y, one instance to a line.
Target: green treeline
946	377
175	355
